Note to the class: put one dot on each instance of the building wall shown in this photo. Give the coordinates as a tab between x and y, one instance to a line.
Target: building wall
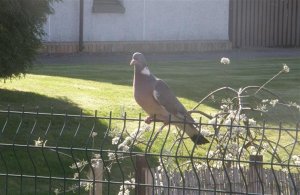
143	20
63	25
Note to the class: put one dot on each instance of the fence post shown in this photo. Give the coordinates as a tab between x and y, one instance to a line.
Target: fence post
98	174
256	173
143	176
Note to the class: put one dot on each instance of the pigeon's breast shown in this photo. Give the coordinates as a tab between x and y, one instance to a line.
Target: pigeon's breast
143	94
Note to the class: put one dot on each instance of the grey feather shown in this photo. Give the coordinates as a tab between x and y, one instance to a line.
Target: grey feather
165	97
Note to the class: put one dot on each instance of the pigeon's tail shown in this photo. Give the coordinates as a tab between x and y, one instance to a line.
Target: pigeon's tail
193	133
199	139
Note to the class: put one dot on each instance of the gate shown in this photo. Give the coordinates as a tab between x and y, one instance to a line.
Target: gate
264	23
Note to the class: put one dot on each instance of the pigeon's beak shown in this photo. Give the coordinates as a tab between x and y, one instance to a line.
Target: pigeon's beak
133	62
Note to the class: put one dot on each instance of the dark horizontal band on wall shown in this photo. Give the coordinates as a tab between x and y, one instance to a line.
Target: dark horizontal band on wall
142	46
108	6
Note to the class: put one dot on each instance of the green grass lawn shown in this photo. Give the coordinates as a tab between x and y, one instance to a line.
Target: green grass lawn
108	87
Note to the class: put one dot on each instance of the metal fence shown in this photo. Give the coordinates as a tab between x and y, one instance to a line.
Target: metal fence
50	153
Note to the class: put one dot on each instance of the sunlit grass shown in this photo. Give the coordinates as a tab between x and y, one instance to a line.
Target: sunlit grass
85	94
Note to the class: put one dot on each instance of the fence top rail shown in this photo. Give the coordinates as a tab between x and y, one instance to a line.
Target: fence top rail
140	119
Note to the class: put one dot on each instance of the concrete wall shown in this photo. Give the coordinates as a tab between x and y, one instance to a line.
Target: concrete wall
143	20
63	25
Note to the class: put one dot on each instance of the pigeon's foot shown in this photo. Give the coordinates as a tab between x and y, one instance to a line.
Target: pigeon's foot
148	120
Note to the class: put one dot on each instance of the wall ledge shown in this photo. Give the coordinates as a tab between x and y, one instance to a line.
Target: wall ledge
142	46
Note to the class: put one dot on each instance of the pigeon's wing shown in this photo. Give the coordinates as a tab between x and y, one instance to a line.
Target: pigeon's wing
166	98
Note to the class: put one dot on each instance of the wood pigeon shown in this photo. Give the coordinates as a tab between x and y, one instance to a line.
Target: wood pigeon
156	98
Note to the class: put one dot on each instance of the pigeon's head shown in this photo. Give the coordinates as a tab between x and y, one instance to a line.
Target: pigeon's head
138	59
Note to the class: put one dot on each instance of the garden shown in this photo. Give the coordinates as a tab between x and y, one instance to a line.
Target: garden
60	121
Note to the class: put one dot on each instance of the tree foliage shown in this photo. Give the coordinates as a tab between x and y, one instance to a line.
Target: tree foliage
21	31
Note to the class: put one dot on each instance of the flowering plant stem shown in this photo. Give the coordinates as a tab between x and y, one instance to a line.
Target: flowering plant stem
284	69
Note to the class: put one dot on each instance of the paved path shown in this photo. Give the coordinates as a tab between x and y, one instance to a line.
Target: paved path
94	58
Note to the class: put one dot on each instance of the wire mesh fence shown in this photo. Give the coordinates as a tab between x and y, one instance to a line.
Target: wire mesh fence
50	153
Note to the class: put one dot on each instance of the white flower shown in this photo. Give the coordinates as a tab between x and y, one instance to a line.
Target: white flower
285	69
127	184
218	164
243	117
76	175
262	108
94	134
229	157
205	132
126	192
200	166
285	170
83	183
132	181
158	176
111	156
295	158
232	114
233	148
125	189
266	145
214	121
224	107
40	142
210	154
252	122
274	102
159	168
294	104
96	163
78	164
225	60
97	156
239	130
115	140
128	140
228	122
125	148
253	150
56	191
87	186
120	146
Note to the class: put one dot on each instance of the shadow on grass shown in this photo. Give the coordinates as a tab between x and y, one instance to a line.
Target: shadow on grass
67	140
35	102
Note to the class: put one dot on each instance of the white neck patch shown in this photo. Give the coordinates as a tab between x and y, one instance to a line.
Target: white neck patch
145	71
